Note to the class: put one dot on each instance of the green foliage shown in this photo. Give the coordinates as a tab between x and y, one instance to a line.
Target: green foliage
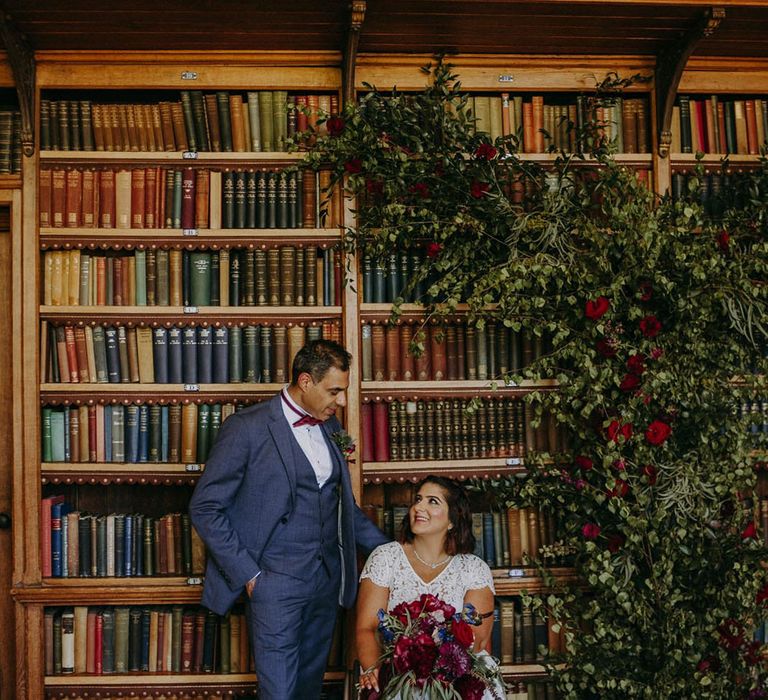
654	316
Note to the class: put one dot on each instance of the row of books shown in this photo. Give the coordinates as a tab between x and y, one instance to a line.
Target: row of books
259	120
454	351
383	280
10	141
521	635
134	434
275	276
175	355
79	544
503	538
531	690
448	430
187	198
149	639
540	124
718	125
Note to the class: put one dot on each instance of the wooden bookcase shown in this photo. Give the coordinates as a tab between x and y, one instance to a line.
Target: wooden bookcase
62	72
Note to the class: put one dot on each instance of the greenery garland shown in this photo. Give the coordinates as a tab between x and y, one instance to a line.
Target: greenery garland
654	319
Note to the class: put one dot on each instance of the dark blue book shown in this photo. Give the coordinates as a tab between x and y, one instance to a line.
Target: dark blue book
108	433
143	433
265	343
175	374
215	421
134	639
146	616
113	355
119	544
203	432
128	546
236	354
205	355
489	549
496	632
59	511
132	434
155	428
221	355
84	540
137	550
101	545
160	347
108	640
164	421
189	355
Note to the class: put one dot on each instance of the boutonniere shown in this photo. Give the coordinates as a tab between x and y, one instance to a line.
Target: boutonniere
344	442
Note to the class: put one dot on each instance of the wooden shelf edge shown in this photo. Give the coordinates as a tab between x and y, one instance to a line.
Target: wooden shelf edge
207	313
96	389
415	471
188	158
447	387
106	594
150	679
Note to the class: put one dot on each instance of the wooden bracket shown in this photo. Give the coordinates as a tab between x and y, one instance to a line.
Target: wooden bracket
22	60
670	64
356	17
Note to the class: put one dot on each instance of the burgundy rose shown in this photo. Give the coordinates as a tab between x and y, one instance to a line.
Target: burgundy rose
335	126
579	484
590	531
616	430
762	595
731	634
595	308
433	250
703	665
710	663
420	188
615	543
374	187
650	326
723	241
462	633
650	472
354	166
646	290
636	364
752	653
479	189
619	465
656	353
470	687
607	348
620	490
415	654
657	432
749	532
485	152
630	382
583	463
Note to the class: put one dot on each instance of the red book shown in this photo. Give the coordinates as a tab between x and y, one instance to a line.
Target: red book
101	280
701	121
150	198
161	642
301	117
381	432
82	354
393	353
117	282
529	145
751	117
45	533
537	106
107	199
92	455
69	342
407	365
439	358
366	429
138	197
378	353
451	352
187	641
90	642
74	197
44	197
188	198
97	643
88	208
424	361
199	645
58	197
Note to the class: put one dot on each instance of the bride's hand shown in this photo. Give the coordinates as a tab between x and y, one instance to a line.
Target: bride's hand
369	679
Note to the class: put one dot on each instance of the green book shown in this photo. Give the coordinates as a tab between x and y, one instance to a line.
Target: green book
251	369
141	277
225	120
266	120
235	356
280	119
177	194
189	120
215	421
204	431
200	278
198	118
58	447
177	615
121	639
255	120
46	434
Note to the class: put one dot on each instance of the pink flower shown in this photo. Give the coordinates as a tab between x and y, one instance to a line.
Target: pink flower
479	189
485	152
594	309
656	353
590	531
335	126
657	432
353	166
650	326
620	465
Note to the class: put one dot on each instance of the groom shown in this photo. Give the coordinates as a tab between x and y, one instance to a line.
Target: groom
276	511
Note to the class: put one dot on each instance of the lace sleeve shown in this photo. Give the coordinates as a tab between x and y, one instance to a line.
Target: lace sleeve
478	574
378	568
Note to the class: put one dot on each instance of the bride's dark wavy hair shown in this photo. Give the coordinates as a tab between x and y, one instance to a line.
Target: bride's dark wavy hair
459	539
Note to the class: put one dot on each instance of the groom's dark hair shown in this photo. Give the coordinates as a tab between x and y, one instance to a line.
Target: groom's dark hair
459	538
317	357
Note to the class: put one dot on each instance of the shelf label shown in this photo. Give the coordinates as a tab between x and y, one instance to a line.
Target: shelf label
510	382
191	310
516	573
189	232
191	387
506	78
193	468
189	75
513	461
189	155
195	581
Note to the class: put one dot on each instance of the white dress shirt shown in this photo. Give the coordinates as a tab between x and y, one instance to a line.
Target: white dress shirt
310	439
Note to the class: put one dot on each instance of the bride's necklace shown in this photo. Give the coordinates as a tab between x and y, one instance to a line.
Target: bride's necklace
436	565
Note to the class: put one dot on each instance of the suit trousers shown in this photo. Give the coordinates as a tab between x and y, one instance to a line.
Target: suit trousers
291	625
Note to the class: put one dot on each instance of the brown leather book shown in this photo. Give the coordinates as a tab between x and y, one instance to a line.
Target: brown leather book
378	353
166	125
515	541
151	212
533	532
393	352
287	273
175	277
296	340
136	114
187	641
439	354
82	355
529	145
58	197
238	126
309	199
189	433
310	275
753	146
537	106
525	544
97	124
424	360
212	116
382	437
629	125
44	197
451	349
138	196
366	431
179	129
202	193
71	354
89	202
328	217
280	356
407	361
122	199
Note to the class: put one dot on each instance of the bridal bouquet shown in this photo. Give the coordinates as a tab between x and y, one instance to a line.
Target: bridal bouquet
428	654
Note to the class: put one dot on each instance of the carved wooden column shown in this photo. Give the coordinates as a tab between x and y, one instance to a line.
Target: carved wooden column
357	15
22	60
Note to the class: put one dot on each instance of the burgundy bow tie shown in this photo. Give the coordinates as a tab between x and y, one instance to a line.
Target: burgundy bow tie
306	420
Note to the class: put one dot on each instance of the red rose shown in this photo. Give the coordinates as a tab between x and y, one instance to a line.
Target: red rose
752	653
594	309
616	430
462	633
620	465
420	188
708	664
723	241
658	431
762	595
485	152
731	634
656	353
335	126
749	532
590	531
583	463
469	687
646	291
479	189
374	187
620	490
650	326
636	364
433	250
650	471
615	543
607	348
630	382
353	166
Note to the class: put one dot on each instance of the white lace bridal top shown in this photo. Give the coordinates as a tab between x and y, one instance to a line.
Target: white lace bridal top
388	566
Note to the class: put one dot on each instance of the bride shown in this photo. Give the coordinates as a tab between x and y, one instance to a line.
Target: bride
434	555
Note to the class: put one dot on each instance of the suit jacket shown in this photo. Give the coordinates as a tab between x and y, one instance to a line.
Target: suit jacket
248	489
